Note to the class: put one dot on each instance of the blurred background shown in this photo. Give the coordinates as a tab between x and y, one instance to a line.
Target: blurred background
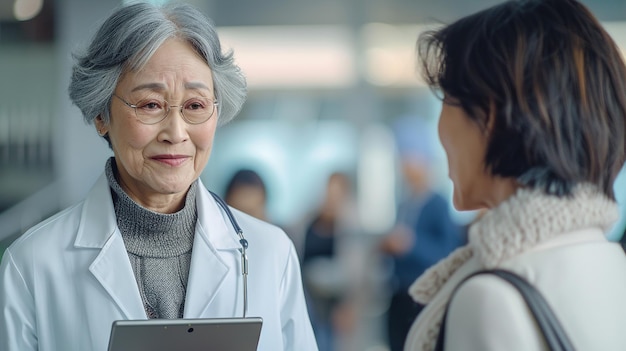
337	126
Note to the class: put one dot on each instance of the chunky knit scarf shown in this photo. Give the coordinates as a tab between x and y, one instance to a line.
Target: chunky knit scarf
518	224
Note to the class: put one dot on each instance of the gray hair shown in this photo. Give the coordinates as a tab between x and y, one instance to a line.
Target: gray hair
128	39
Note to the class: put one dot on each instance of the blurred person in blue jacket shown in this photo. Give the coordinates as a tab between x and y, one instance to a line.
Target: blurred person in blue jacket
424	232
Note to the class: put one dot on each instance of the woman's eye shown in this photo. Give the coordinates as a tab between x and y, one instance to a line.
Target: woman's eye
195	105
150	105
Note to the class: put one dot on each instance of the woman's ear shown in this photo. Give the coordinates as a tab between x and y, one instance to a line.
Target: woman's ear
101	127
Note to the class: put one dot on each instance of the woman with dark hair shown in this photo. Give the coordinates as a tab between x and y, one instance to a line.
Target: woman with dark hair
533	125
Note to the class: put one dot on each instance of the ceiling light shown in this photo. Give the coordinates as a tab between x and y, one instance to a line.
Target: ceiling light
23	10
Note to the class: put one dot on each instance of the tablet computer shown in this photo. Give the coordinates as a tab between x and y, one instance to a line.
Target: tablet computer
220	334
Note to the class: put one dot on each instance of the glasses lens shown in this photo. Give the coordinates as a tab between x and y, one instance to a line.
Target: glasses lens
151	111
198	110
195	110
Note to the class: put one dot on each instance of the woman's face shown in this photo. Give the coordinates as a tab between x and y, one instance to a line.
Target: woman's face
157	163
249	199
465	144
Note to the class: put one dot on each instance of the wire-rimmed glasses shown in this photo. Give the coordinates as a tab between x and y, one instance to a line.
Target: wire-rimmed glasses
196	110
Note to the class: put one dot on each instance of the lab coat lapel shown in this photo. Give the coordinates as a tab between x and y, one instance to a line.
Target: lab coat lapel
208	270
111	267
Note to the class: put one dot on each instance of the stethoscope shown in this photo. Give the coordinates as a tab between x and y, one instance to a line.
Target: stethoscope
244	246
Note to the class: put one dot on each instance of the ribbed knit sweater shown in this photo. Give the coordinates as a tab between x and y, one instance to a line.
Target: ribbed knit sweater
159	248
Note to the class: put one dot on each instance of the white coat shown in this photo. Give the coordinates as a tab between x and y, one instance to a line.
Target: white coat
65	281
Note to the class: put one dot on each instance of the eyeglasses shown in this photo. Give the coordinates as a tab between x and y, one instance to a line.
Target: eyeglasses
196	110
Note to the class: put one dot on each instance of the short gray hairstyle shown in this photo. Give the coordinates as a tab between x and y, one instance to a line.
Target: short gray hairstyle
127	40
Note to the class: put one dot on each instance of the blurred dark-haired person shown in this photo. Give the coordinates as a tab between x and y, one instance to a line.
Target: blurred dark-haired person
533	125
149	240
246	191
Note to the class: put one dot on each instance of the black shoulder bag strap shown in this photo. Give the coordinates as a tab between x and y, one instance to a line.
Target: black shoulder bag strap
552	331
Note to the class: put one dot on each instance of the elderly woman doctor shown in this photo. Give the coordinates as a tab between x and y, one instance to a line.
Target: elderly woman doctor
149	241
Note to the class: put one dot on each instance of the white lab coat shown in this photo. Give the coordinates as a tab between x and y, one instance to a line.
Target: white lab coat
67	279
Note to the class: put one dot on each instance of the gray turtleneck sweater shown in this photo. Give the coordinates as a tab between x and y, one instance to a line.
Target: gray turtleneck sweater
159	248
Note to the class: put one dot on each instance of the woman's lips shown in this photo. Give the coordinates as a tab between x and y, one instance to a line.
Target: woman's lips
171	160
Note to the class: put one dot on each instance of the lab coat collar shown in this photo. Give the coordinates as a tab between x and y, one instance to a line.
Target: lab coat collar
213	222
97	229
208	270
97	220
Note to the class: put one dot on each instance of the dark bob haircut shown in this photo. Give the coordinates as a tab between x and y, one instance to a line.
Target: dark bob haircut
244	177
545	82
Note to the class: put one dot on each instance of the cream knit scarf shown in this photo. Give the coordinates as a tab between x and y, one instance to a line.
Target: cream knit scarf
516	225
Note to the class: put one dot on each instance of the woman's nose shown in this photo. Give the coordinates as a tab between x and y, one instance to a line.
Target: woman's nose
174	127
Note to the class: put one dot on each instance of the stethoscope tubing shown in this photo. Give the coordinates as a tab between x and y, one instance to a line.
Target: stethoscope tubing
244	247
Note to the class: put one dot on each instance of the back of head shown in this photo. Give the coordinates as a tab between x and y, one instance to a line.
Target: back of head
246	191
545	81
128	38
245	177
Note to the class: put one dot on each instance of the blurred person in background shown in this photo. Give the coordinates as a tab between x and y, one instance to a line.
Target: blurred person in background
331	265
149	240
246	191
533	123
424	232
